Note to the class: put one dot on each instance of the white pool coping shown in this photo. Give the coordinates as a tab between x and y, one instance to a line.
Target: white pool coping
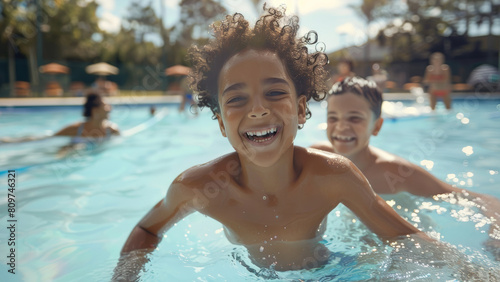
78	101
172	99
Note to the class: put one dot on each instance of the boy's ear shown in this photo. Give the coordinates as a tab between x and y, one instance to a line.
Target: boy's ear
221	125
301	107
378	126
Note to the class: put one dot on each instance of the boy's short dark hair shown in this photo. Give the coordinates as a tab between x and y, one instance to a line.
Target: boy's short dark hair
360	86
274	32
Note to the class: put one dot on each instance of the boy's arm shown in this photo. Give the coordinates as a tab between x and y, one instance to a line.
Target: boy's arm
372	210
422	183
147	234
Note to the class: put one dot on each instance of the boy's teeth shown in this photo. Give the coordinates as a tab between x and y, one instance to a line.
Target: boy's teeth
261	132
344	138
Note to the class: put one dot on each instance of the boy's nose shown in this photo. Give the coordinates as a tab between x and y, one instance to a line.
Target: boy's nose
342	125
258	110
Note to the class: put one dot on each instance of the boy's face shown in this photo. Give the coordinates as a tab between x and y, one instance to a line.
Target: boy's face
259	108
350	123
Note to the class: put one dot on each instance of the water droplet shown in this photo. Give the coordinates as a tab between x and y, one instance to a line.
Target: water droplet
261	249
264	198
277	216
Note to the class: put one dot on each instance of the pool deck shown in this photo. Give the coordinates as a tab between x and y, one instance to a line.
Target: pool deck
173	99
78	101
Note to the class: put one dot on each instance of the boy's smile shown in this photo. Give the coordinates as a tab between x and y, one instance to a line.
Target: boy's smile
260	111
350	123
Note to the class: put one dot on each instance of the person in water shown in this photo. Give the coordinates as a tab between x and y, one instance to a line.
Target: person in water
270	196
96	127
353	116
438	78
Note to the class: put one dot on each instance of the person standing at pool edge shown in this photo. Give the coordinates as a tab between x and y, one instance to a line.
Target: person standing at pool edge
438	78
270	196
353	115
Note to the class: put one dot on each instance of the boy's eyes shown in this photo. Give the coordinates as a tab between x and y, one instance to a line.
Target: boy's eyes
235	99
355	119
274	93
241	98
350	119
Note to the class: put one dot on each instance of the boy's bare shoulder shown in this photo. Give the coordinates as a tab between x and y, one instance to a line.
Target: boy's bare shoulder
325	162
337	176
323	145
196	176
389	162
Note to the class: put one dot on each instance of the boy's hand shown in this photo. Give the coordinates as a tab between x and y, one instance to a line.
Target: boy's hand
130	265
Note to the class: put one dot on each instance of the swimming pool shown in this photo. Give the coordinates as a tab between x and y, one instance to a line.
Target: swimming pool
74	214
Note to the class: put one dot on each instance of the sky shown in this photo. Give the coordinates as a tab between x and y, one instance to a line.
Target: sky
337	24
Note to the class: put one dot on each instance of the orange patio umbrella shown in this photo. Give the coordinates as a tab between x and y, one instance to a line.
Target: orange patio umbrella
177	70
54	68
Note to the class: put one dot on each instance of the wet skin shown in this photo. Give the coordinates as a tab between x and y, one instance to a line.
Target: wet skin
270	195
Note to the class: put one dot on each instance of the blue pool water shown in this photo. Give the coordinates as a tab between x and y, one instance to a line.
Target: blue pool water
75	213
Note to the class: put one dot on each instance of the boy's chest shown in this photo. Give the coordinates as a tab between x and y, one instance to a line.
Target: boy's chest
269	217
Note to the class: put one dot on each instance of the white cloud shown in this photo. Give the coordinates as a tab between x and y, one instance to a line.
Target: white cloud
351	34
107	5
171	3
109	22
304	7
347	28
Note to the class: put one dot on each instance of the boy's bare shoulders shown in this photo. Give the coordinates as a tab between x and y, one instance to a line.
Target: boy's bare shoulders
323	145
386	160
392	174
335	175
320	161
226	166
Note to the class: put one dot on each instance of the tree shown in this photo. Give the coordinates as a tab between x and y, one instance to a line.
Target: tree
368	10
195	19
69	31
64	28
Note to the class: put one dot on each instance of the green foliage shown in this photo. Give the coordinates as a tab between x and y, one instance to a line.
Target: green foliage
195	19
418	27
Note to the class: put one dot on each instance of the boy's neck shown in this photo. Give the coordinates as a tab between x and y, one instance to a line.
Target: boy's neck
269	180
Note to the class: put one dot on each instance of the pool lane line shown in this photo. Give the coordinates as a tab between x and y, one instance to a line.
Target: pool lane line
145	125
24	168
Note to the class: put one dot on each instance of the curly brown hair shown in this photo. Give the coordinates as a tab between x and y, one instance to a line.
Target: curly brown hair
274	31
